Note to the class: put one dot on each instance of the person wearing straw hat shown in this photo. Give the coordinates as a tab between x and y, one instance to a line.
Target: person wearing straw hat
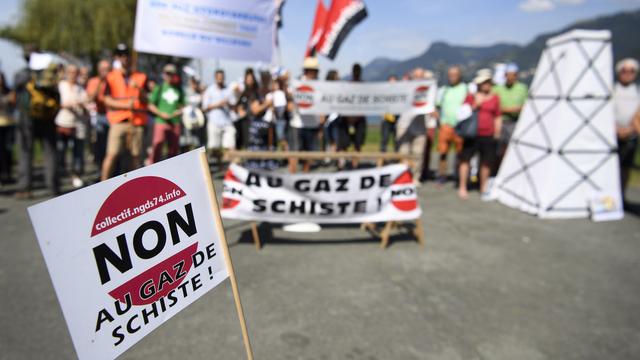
487	107
305	129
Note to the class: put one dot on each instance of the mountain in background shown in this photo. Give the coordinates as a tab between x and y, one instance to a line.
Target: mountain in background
440	55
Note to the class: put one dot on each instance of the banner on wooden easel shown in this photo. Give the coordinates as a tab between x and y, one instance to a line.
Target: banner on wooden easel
373	195
127	254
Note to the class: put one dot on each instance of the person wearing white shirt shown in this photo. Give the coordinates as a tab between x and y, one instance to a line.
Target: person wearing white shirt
626	105
216	104
71	123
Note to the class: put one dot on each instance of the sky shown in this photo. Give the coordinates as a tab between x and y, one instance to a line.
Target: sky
400	29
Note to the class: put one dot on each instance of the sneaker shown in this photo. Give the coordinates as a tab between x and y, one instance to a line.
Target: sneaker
486	196
77	183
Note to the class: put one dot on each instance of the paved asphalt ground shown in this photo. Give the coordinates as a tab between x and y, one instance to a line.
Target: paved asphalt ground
492	283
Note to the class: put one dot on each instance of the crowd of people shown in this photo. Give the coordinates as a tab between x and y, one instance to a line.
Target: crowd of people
125	119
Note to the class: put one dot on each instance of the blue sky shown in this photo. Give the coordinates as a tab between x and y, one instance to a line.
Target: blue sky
403	28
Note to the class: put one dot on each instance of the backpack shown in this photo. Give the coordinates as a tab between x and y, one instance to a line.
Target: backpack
44	100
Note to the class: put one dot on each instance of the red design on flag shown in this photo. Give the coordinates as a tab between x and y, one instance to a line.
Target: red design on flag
318	29
342	17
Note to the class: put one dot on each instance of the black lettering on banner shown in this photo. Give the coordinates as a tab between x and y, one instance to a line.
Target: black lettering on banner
322	185
130	328
343	207
127	300
175	220
259	205
147	313
147	289
103	315
138	245
327	208
275	206
171	296
179	270
103	253
293	207
342	184
312	209
360	207
385	180
367	182
165	278
274	182
116	333
253	179
302	185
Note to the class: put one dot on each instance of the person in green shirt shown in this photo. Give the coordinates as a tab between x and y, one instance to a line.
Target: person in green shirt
166	102
513	94
451	99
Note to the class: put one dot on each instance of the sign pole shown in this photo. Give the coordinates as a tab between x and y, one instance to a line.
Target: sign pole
227	256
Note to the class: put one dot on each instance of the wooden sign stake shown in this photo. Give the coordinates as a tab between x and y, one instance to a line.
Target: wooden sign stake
227	256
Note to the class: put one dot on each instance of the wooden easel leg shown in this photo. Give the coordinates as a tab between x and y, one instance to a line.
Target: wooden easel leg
256	235
384	235
419	232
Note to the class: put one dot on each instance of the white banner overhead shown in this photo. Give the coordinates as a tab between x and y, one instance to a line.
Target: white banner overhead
226	29
127	254
373	195
364	98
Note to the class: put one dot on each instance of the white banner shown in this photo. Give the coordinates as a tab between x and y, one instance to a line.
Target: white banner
226	29
127	254
373	195
364	98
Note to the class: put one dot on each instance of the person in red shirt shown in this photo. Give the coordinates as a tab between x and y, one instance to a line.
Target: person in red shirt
487	106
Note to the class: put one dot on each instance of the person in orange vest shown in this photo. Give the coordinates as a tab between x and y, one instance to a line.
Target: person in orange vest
125	100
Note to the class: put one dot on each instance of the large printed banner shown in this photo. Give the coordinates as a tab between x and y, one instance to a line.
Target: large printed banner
228	29
360	98
127	254
373	195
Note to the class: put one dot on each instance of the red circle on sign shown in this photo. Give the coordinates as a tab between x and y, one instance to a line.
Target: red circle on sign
304	96
420	96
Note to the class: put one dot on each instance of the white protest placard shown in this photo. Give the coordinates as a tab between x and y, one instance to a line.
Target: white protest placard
127	254
364	98
373	195
226	29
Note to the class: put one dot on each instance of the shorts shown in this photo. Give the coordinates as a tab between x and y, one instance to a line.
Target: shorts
224	137
352	130
627	151
486	146
446	136
125	136
304	139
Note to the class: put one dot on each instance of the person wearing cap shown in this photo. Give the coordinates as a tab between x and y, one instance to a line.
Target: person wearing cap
125	99
451	98
513	94
166	103
304	129
487	107
626	107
